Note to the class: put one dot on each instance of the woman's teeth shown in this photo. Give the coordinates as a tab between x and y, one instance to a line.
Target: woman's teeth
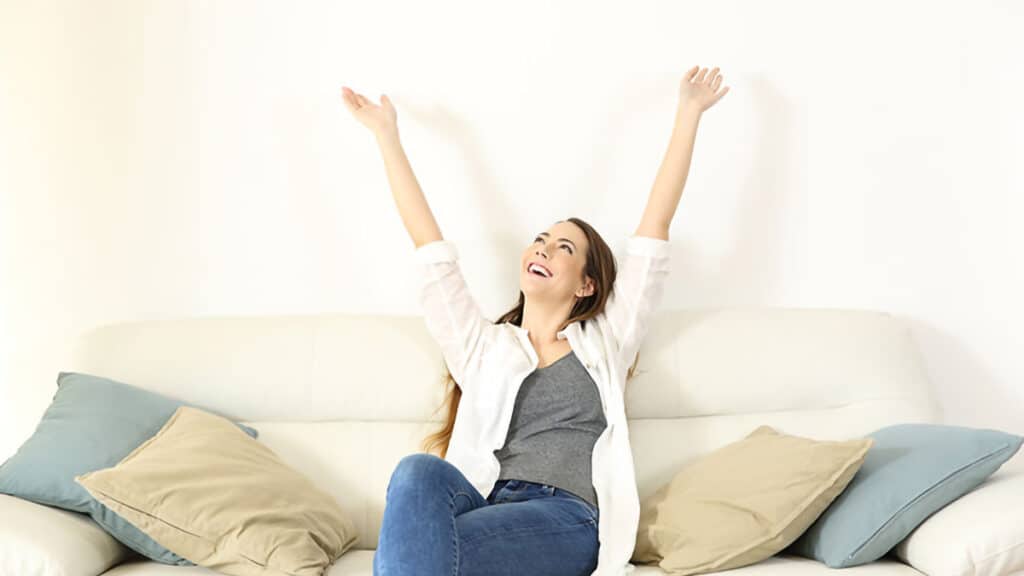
538	271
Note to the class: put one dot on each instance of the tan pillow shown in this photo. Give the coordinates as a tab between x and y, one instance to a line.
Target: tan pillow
744	502
208	492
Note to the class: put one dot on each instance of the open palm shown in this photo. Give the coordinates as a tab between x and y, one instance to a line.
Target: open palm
700	89
378	118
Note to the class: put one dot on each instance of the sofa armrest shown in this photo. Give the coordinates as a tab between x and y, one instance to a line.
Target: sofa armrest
48	541
980	533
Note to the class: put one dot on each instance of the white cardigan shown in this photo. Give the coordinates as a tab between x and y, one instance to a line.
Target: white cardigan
489	362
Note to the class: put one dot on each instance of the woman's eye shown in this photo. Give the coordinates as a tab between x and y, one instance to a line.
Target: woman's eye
566	246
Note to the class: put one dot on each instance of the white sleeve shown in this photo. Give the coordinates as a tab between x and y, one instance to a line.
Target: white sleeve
450	312
639	284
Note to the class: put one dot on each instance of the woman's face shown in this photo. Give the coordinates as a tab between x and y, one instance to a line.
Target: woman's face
562	250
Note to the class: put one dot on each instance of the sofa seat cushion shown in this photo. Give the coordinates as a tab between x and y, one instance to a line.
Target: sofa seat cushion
980	533
360	563
47	541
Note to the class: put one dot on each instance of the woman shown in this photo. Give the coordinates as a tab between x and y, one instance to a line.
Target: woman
542	430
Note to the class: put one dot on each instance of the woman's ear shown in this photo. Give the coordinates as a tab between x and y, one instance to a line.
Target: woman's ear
587	290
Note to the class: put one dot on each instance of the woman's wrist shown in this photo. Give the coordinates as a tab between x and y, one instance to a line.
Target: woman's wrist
687	110
389	136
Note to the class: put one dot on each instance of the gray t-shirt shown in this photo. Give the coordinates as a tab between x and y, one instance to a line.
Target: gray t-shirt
556	420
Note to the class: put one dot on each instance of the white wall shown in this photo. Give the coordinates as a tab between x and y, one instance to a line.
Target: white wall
170	158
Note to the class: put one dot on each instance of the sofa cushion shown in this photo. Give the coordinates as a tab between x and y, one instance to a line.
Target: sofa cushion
912	471
225	501
744	502
979	533
46	541
92	423
360	563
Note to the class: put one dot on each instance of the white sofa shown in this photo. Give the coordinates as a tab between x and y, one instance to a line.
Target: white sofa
344	397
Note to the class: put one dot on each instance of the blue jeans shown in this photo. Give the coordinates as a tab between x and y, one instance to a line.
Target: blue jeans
438	524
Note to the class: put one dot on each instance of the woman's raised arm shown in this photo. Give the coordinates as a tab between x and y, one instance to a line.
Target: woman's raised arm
412	204
646	265
697	93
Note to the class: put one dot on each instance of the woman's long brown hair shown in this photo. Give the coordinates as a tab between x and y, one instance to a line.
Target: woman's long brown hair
600	266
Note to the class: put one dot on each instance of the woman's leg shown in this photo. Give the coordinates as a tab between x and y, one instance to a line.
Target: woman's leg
528	528
418	533
437	524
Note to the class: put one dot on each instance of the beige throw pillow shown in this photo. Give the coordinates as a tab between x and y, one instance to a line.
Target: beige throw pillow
208	492
744	502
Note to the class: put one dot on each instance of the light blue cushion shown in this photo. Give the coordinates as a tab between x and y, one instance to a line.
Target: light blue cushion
92	423
911	472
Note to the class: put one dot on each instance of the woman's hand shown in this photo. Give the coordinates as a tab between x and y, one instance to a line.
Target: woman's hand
380	119
699	90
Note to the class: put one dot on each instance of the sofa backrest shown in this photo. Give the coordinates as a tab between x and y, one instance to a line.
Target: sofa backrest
343	397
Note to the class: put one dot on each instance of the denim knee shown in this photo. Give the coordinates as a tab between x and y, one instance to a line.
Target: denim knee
417	467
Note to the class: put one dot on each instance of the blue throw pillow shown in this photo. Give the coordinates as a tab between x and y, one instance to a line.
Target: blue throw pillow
92	423
911	472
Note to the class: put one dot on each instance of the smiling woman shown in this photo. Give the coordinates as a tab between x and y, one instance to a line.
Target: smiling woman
560	355
565	283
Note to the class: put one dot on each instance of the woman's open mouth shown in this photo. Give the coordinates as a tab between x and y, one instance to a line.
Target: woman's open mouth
538	270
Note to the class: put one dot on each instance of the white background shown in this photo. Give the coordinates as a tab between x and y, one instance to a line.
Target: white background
171	158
